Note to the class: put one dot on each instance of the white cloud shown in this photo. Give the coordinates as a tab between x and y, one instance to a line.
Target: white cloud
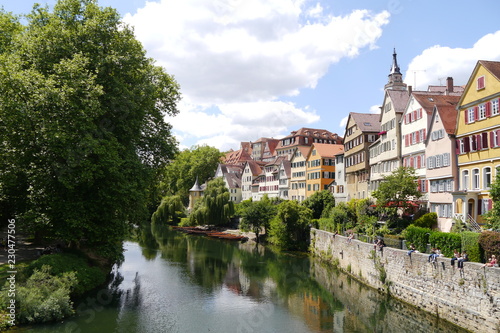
437	63
239	57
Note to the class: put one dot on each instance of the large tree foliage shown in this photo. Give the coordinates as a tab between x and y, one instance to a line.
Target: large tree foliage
82	130
319	202
169	211
396	192
290	227
198	162
256	215
215	207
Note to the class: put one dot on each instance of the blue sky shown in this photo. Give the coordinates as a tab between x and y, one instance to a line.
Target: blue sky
251	69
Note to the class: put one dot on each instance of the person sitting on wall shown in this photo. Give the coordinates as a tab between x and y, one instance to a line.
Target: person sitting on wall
491	262
456	255
351	235
380	244
463	257
431	256
411	250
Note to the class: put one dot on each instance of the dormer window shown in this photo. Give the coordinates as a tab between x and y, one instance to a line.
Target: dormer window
480	82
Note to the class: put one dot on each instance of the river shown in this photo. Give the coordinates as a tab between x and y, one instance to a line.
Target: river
174	282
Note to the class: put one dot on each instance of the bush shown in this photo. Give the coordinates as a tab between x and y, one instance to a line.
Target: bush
44	297
490	242
447	242
326	224
470	243
428	220
418	236
88	277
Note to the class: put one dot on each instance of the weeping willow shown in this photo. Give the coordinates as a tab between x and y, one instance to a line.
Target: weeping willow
215	207
169	211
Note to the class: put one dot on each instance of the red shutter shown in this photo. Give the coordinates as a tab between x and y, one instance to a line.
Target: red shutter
466	116
485	140
425	135
415	115
476	113
419	185
490	204
479	206
418	136
457	147
488	109
466	144
419	162
479	142
492	139
498	138
406	140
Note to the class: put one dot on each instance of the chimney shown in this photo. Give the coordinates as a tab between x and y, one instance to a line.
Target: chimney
449	84
410	90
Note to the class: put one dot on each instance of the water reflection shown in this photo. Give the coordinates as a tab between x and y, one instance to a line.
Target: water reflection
173	282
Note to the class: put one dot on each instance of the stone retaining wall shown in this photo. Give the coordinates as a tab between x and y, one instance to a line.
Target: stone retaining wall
469	298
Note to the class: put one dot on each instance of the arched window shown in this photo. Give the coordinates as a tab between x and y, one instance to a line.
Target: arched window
465	179
487	178
475	178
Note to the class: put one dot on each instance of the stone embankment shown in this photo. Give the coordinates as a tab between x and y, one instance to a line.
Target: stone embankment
469	298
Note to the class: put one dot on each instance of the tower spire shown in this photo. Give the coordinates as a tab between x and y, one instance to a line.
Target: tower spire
395	81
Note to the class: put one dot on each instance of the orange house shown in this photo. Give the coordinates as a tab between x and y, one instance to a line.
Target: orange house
320	166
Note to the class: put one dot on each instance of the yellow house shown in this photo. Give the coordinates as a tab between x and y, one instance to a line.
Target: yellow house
320	166
478	141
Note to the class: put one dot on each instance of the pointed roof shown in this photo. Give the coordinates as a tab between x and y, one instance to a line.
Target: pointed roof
196	187
394	66
366	122
491	66
428	101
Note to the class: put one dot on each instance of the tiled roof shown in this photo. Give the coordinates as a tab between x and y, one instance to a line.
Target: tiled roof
287	166
457	90
236	157
304	150
427	101
367	122
399	99
328	150
255	167
448	115
492	66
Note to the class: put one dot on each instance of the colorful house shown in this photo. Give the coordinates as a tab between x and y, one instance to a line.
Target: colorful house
478	141
320	170
298	174
361	131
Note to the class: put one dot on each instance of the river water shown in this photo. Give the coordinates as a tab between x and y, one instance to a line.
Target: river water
173	282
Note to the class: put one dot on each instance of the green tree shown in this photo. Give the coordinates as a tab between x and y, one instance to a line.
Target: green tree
198	162
215	207
396	192
290	227
170	211
82	124
256	215
319	202
493	216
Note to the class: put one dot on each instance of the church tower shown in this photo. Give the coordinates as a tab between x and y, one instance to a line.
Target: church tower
195	193
395	81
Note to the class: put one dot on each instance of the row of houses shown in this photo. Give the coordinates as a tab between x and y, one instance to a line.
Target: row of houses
449	134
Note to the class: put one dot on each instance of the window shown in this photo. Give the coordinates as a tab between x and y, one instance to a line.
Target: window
494	107
482	111
475	178
487	177
449	185
480	82
471	115
465	179
446	159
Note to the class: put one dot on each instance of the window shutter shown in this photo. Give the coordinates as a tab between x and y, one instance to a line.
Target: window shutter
457	147
485	140
476	113
466	116
406	140
466	144
498	138
473	143
479	206
488	109
415	115
479	142
418	136
490	204
419	162
419	182
492	139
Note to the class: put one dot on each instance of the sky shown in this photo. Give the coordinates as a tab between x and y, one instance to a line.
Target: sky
258	68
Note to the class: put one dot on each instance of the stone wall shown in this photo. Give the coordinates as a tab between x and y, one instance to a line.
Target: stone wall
469	298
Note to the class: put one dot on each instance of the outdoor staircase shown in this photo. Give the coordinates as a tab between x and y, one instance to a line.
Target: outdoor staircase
473	224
